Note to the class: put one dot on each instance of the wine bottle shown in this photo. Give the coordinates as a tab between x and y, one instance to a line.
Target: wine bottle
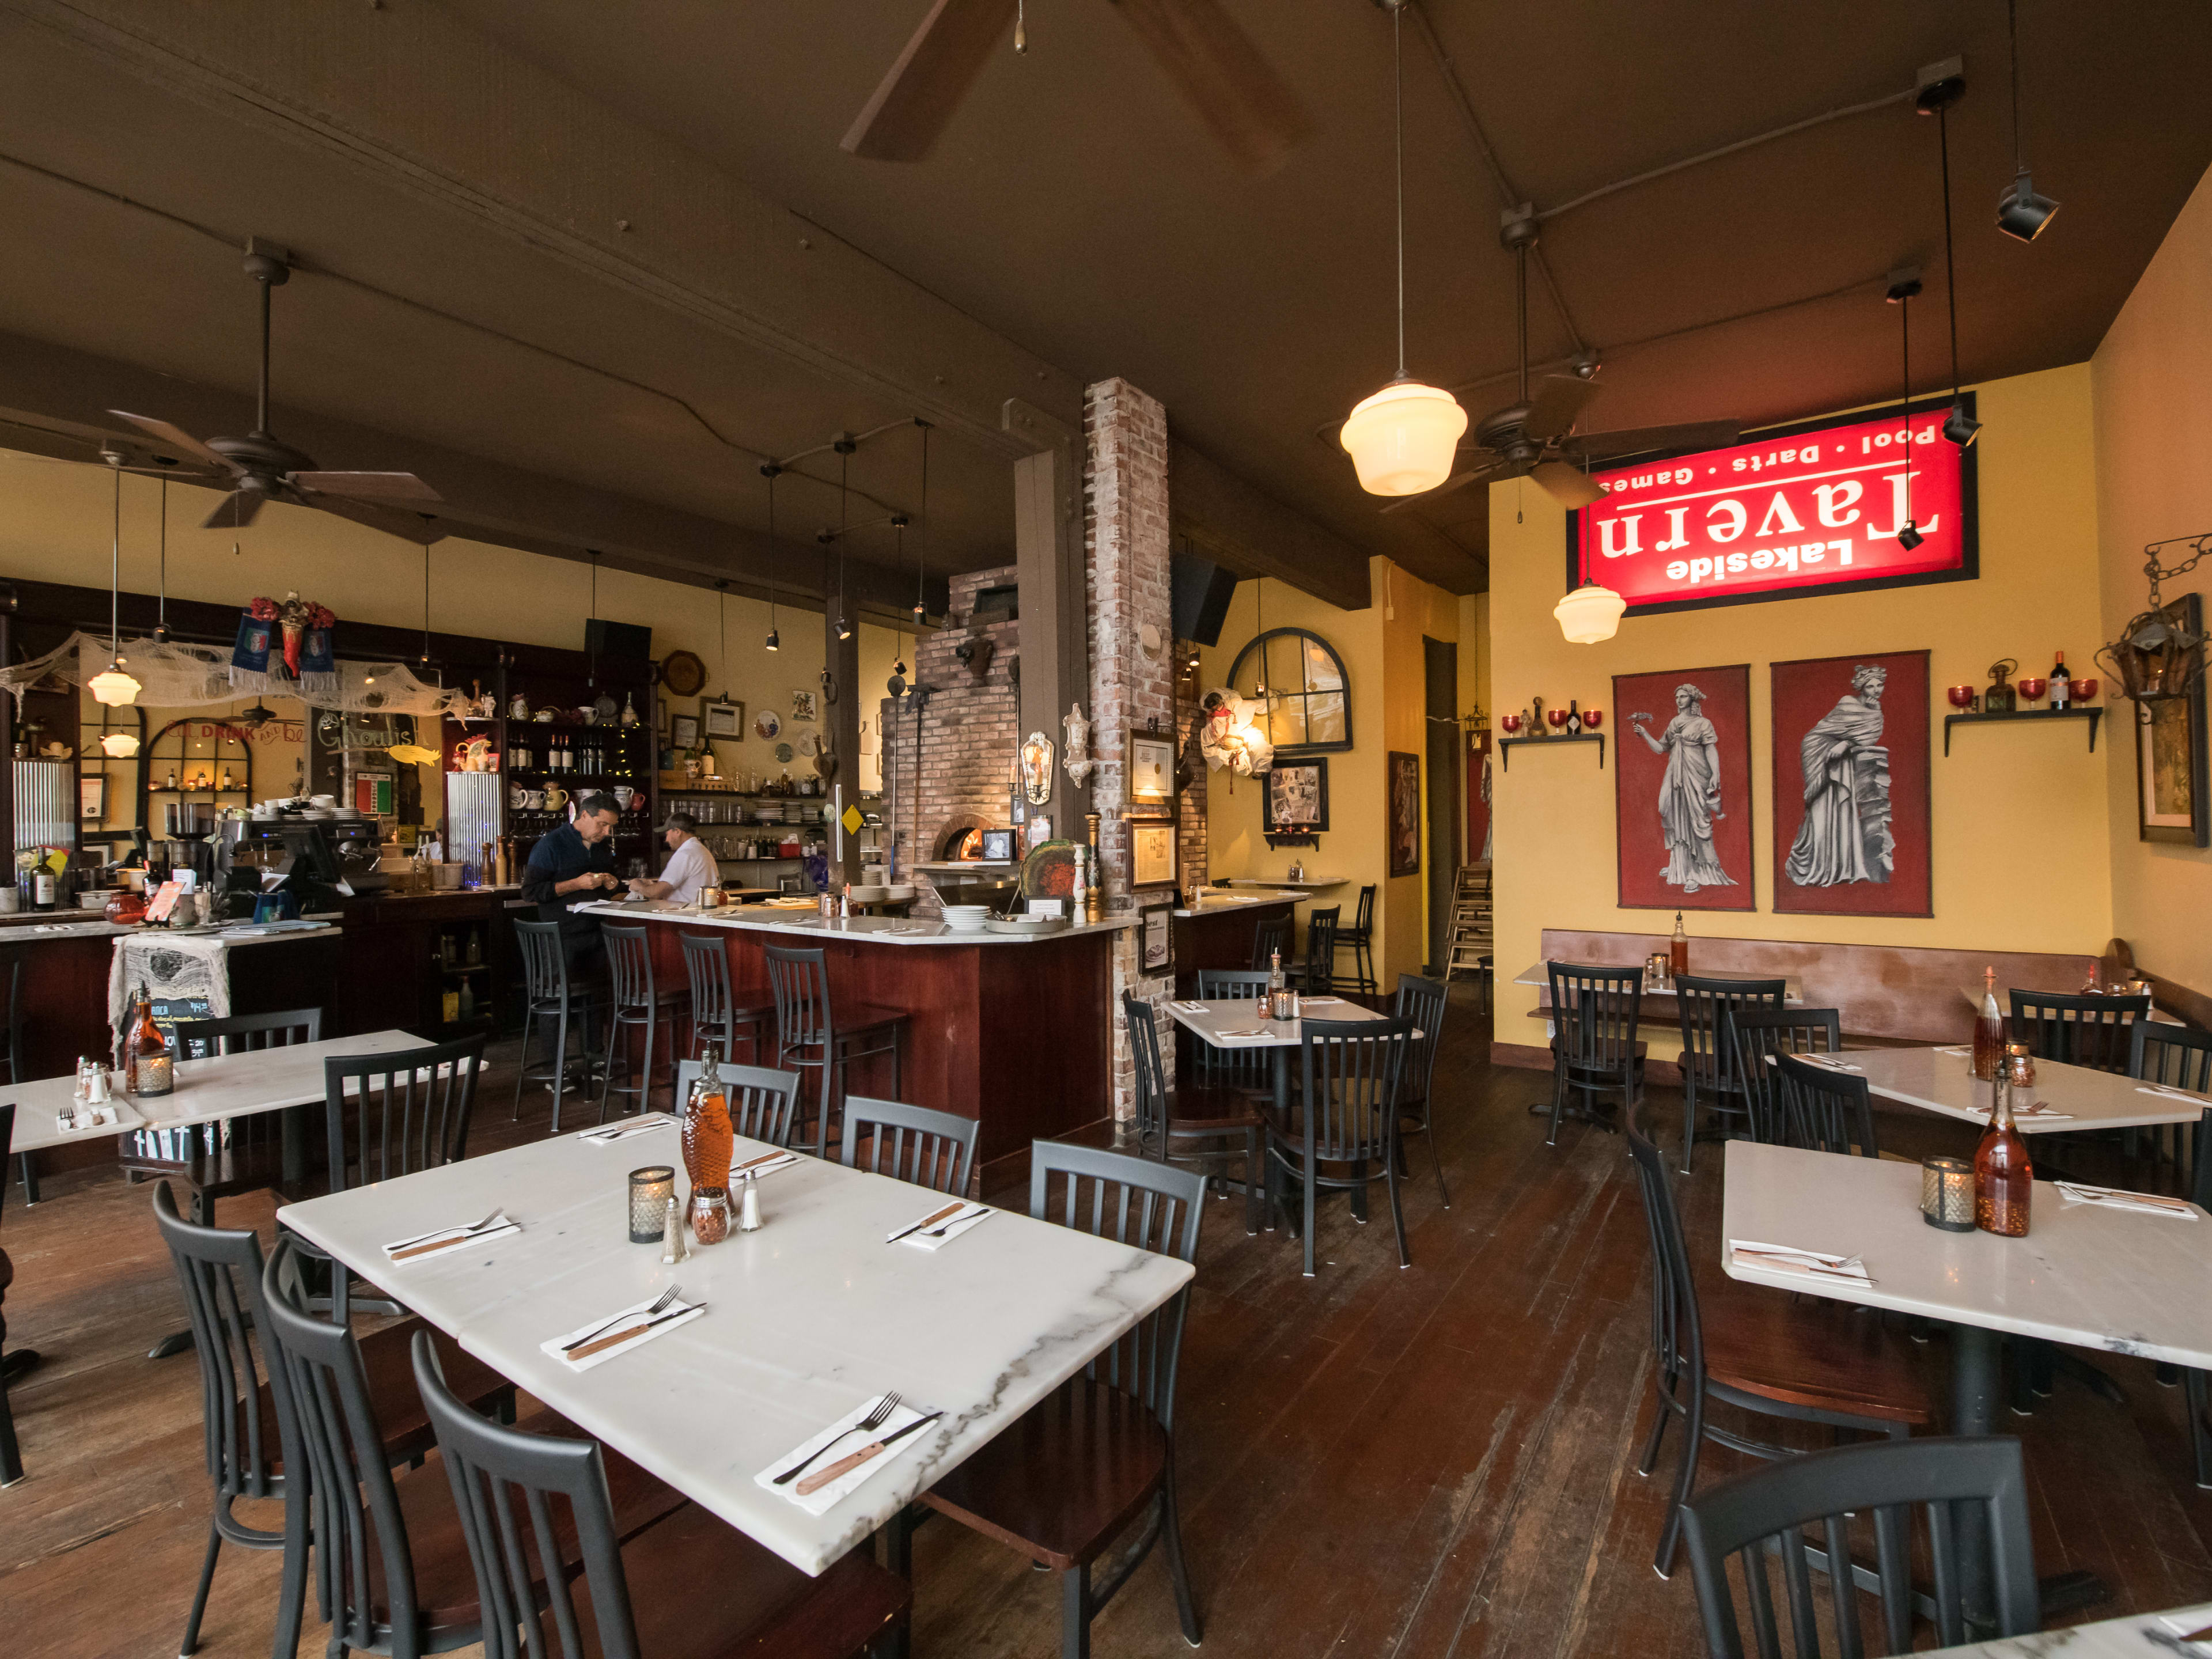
1678	949
2004	1179
1574	719
1988	1030
2062	684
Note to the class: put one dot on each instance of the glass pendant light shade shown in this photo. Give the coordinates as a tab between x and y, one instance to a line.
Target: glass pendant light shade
113	686
120	744
1403	439
1590	614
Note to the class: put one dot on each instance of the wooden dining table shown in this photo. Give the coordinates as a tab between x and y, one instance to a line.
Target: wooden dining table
806	1320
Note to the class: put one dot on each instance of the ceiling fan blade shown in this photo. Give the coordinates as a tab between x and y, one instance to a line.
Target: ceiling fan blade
417	527
1556	403
1638	439
1458	481
236	510
1569	486
368	486
1250	110
912	103
175	436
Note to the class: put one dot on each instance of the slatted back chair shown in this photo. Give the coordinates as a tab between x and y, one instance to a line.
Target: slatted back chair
1422	1002
764	1101
1708	1075
1201	1126
2095	1031
1595	1013
241	1154
1271	937
1344	1132
548	994
13	1057
1217	1068
1753	1035
719	1015
11	1455
1151	1079
919	1144
1827	1110
410	1108
1761	1516
1321	950
637	1005
2180	1057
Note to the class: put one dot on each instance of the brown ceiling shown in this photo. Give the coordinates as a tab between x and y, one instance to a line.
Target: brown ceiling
1077	209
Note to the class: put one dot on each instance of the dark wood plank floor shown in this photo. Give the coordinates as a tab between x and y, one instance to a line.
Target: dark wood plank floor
1437	1461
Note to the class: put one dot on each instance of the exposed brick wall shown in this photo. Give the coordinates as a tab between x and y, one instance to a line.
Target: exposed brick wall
1190	828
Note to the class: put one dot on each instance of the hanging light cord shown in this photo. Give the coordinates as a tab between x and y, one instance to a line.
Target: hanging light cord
722	626
115	577
843	461
1398	121
161	620
920	610
426	602
2012	39
1950	269
1904	410
768	471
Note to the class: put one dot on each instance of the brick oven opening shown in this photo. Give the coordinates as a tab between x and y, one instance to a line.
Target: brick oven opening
961	838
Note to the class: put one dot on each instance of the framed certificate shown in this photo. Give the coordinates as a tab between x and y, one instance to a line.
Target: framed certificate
1153	852
1152	770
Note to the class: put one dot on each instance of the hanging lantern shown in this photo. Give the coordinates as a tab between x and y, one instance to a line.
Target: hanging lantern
113	686
1403	439
1590	613
2158	655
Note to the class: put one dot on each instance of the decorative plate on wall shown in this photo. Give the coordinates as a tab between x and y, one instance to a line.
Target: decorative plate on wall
783	751
683	673
809	745
767	724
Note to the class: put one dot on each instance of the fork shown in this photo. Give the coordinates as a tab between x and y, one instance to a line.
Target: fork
875	1420
437	1232
667	1296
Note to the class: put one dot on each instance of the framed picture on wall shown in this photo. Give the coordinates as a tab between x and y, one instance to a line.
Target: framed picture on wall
1851	785
724	720
683	731
1682	791
2172	801
1156	937
1151	769
1295	796
1405	826
1151	853
803	706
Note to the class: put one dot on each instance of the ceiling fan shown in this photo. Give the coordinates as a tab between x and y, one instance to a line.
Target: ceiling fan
261	468
1252	113
1535	436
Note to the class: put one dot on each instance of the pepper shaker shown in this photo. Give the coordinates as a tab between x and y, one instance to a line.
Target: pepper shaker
672	1247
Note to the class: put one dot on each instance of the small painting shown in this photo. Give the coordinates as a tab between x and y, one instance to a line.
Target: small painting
1405	827
1151	854
767	724
1851	785
1151	769
1297	796
724	720
2173	803
683	731
804	706
1682	790
1156	938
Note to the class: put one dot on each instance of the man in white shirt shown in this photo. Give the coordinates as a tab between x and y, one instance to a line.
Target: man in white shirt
691	865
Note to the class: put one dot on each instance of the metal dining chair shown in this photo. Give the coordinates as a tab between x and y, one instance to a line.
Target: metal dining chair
812	1035
1595	1051
1209	1126
549	995
2180	1057
2093	1031
1359	940
15	1058
245	1154
1219	1069
634	1004
917	1144
1761	1516
1320	952
1342	1131
1754	1033
1829	1111
1067	1478
24	1360
1271	938
720	1015
764	1101
685	1586
1708	1075
1421	1001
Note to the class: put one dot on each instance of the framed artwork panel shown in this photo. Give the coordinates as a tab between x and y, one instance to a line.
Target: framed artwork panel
2172	801
1851	785
1405	825
1151	853
1295	796
1682	790
1156	937
1151	769
724	720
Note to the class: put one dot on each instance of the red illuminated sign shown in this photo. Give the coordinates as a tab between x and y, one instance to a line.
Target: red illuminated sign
1814	507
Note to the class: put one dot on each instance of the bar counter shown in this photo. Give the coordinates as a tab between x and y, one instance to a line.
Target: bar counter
1014	1032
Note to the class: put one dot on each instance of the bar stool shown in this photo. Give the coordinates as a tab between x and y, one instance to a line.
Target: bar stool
809	1036
718	1014
1359	939
1320	951
550	996
635	1005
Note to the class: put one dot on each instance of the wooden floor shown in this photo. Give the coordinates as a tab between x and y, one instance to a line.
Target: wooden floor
1431	1462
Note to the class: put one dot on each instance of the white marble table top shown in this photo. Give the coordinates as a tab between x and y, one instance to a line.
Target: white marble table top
1215	904
1941	1080
223	1085
806	1318
2108	1638
1538	974
877	930
2085	1276
1207	1020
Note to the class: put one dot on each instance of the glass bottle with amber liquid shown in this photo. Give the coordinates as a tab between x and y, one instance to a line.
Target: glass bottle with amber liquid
1678	949
2004	1179
708	1133
1988	1030
152	1061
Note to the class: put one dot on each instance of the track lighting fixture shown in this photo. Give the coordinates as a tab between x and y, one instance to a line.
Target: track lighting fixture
1904	285
2020	211
1935	99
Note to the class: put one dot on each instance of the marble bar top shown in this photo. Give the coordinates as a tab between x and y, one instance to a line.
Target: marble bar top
1941	1080
224	1085
807	1318
877	930
2122	1280
1218	904
95	927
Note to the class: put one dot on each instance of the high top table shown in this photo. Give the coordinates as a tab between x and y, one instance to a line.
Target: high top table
806	1319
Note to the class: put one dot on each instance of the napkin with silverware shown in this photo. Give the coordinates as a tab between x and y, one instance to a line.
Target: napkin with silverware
607	1133
1786	1258
1830	1065
1248	1031
855	1440
941	1226
443	1240
602	1340
762	1163
2113	1198
1188	1008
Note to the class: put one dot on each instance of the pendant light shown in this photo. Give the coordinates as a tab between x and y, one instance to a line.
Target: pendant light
2020	211
161	602
1903	285
1935	99
1590	614
112	685
423	661
122	745
768	471
1403	439
899	522
844	446
920	614
722	629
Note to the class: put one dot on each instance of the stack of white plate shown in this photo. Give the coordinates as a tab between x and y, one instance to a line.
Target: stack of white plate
967	918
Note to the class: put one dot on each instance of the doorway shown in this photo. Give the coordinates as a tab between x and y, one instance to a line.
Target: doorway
1440	671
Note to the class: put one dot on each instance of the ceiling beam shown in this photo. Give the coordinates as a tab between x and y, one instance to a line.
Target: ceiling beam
1255	535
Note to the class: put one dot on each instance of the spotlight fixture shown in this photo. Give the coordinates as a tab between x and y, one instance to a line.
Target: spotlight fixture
773	644
2020	211
1937	95
1904	285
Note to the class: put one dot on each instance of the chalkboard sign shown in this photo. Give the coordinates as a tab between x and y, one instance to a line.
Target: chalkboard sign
167	1011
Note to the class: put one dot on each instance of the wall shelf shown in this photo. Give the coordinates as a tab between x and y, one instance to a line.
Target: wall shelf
2092	716
1506	745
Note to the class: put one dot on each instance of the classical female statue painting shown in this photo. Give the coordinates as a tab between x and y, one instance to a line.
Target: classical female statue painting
1850	785
1682	789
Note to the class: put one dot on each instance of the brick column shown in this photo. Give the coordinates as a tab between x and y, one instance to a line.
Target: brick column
1126	544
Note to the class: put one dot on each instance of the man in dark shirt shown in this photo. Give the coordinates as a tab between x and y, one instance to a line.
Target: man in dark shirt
574	863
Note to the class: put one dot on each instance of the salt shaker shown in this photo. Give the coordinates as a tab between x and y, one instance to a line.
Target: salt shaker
749	1215
672	1247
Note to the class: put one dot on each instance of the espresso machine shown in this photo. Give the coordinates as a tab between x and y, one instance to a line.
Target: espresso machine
188	840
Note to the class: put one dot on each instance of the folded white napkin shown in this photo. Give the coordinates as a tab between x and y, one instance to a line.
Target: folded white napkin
767	1164
1831	1065
1188	1008
1254	1031
1316	1002
607	1133
2184	1624
1786	1258
2113	1198
423	1246
1961	1054
105	1115
939	1234
633	1317
822	1500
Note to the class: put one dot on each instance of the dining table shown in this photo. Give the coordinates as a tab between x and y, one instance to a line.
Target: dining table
2087	1274
2132	1636
806	1322
2074	1097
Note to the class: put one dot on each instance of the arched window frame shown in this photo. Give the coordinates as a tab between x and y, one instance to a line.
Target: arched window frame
1244	678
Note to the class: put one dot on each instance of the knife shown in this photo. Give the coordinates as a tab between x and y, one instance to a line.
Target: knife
821	1478
755	1163
590	1349
929	1220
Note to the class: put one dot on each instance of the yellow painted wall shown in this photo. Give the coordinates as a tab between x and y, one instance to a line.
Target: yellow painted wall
2022	837
1381	647
2153	431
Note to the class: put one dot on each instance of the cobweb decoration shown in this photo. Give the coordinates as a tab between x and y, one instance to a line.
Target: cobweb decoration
178	676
